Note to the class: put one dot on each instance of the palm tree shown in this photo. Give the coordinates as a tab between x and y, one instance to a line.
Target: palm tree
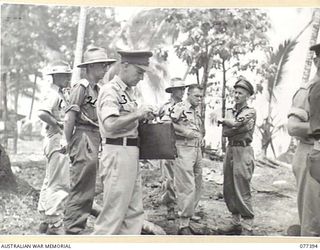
312	41
276	62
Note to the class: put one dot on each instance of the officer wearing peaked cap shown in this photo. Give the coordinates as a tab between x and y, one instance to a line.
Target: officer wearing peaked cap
176	89
238	167
56	183
118	116
83	139
303	119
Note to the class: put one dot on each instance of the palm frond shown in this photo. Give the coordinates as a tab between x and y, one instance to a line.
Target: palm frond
280	57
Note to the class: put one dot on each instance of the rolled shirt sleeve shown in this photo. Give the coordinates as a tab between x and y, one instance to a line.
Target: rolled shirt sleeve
77	96
314	102
49	101
108	103
300	106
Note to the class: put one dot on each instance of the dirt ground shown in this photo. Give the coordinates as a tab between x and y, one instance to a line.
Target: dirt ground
273	190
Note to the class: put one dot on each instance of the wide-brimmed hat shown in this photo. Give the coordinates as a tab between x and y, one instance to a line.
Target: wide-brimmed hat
59	67
175	83
95	55
137	57
245	84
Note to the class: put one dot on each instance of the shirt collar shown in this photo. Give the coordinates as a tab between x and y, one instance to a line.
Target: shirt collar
56	87
172	101
234	109
187	104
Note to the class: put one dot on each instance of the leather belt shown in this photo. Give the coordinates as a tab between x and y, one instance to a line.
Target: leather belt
123	141
239	143
88	128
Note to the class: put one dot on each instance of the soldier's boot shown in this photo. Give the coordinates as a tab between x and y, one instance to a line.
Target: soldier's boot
185	231
171	215
233	228
56	229
247	226
195	218
43	227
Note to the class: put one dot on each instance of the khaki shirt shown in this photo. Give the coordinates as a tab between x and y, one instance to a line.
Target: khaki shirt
83	98
188	118
166	110
54	102
300	106
116	99
246	120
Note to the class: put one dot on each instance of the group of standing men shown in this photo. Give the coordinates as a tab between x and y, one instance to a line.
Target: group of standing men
107	114
115	112
183	176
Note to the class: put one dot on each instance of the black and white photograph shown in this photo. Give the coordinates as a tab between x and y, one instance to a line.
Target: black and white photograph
166	121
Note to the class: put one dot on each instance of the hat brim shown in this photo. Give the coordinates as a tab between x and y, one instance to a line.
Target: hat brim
169	89
145	68
249	91
108	61
59	72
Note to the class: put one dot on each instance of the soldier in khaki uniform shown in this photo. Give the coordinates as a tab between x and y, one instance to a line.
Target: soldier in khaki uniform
83	139
238	165
56	183
176	89
189	131
299	119
119	116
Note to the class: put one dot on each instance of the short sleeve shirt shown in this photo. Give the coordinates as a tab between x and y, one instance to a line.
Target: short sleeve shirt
54	102
166	110
83	98
116	99
245	119
314	104
300	106
187	117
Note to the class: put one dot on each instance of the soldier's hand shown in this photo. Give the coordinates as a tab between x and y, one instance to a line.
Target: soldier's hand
145	112
220	122
194	135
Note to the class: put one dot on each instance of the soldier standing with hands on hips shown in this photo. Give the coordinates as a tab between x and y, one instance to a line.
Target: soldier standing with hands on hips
119	116
83	139
238	164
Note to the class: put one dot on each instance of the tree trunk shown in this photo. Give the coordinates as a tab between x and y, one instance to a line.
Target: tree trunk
33	94
79	46
15	129
223	139
312	41
7	178
5	107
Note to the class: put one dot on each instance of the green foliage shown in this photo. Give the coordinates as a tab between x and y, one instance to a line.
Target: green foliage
220	35
273	71
35	35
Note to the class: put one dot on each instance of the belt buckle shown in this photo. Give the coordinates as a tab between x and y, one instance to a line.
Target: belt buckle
124	141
